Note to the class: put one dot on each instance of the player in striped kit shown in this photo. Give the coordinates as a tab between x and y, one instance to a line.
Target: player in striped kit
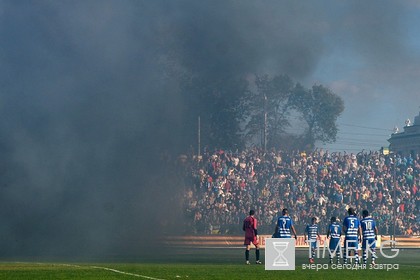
284	225
351	228
313	233
369	232
334	233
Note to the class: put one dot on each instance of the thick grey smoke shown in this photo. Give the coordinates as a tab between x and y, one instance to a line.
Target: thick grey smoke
90	100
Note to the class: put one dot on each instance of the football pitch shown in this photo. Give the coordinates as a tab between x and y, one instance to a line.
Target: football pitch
214	263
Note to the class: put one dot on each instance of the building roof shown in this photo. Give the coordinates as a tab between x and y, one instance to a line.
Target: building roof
407	141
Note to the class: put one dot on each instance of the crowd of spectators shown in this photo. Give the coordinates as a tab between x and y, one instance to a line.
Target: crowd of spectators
222	186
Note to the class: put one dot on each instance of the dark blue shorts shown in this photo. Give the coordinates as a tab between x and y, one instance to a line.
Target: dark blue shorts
370	243
334	243
351	243
313	244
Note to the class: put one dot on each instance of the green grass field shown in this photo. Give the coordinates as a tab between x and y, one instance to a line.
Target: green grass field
201	264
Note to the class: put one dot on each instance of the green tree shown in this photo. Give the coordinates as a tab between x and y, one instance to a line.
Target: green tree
272	104
319	107
217	102
266	109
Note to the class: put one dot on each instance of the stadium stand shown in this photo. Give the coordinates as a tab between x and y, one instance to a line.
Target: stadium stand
221	187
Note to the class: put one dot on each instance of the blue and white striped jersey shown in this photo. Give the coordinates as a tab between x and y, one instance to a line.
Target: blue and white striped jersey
284	223
335	230
368	228
352	224
312	231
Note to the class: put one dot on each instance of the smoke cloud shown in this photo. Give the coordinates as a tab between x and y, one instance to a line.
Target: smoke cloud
91	99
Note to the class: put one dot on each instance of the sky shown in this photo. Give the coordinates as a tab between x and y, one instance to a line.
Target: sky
372	63
90	89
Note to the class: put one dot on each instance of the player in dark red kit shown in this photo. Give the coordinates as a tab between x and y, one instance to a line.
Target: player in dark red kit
251	236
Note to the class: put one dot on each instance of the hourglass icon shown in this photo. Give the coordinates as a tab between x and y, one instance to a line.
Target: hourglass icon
280	247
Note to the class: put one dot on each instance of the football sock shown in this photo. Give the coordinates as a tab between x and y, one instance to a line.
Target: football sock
247	255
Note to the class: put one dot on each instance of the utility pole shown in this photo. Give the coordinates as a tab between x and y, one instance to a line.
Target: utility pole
265	122
394	198
199	137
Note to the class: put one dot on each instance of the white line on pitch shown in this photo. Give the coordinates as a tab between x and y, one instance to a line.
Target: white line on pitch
96	267
126	273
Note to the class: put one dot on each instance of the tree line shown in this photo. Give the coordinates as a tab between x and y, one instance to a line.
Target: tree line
267	111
